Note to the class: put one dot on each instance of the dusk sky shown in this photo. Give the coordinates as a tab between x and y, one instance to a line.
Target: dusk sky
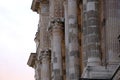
18	25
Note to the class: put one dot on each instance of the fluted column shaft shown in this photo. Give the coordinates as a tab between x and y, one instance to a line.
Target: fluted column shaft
73	49
57	33
93	35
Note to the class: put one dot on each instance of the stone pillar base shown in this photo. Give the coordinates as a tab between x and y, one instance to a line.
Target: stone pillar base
94	61
97	72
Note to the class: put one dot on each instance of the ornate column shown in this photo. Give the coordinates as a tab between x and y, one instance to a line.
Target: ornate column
57	33
44	53
56	27
42	41
45	67
93	35
73	45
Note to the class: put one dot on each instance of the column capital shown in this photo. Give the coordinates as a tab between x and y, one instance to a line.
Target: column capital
56	23
45	54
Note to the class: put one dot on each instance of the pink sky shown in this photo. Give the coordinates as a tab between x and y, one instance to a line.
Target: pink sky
18	25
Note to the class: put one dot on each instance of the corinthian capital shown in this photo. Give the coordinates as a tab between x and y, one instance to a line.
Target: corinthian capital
45	54
56	23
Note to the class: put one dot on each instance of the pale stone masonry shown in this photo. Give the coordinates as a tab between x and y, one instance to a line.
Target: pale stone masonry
73	43
77	40
92	33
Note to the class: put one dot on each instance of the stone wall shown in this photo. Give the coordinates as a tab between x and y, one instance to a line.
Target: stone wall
77	38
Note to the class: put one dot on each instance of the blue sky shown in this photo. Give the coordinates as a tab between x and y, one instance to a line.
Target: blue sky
18	25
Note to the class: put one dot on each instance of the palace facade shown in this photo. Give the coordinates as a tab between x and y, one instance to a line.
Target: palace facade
77	40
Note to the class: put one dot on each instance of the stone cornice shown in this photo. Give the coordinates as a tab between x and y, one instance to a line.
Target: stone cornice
32	59
36	4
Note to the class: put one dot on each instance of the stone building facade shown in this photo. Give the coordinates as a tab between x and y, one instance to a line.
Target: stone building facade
77	40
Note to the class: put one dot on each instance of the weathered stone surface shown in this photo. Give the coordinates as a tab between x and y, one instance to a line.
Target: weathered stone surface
112	31
73	41
57	50
93	35
80	34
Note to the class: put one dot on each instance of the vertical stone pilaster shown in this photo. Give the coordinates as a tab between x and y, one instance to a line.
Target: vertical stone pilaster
73	46
45	67
43	24
44	54
84	39
92	34
66	38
